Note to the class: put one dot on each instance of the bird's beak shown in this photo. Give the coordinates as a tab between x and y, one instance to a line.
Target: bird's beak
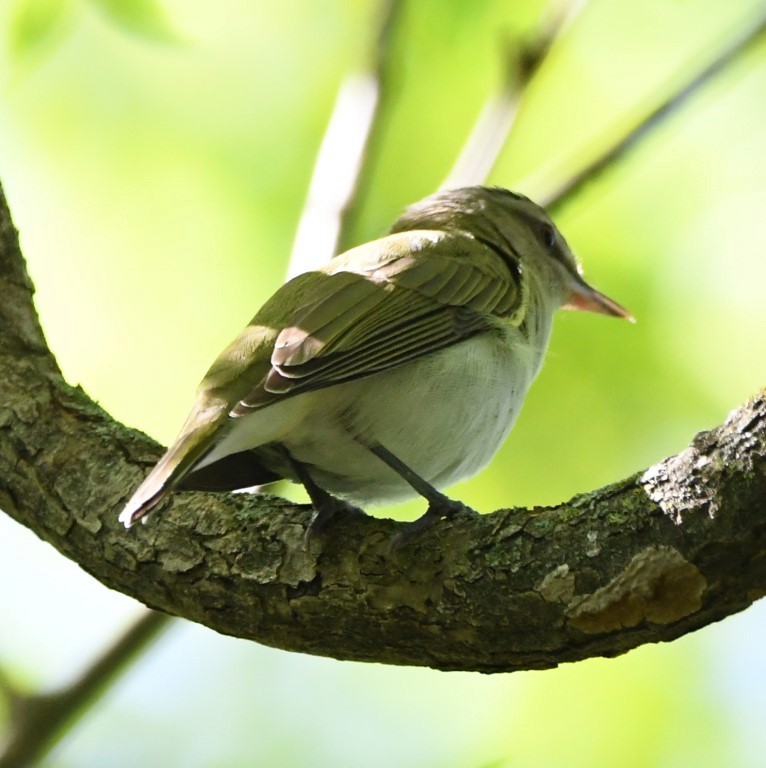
584	298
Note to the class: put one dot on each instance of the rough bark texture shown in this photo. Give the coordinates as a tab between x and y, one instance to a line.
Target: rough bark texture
647	559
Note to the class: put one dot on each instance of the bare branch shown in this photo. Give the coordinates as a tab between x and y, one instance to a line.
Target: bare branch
650	558
347	151
747	40
490	133
38	722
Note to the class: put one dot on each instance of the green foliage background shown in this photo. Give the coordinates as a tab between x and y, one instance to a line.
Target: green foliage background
156	159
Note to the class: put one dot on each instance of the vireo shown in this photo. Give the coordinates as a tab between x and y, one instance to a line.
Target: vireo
393	371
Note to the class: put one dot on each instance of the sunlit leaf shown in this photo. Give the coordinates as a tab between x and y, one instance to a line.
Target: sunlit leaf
145	18
36	26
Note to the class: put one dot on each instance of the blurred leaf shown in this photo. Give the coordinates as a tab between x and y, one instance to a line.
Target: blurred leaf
36	26
144	18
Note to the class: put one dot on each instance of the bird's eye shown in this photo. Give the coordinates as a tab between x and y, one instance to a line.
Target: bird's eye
547	235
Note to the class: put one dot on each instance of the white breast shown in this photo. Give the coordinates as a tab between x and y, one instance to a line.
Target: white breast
445	416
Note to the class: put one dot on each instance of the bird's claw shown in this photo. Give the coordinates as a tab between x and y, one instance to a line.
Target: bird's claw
440	509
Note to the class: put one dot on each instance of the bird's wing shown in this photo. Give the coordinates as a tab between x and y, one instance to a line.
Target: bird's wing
387	303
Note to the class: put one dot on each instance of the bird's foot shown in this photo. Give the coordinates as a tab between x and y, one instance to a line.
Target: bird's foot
440	508
324	512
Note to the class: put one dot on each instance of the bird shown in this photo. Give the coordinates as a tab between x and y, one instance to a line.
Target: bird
394	370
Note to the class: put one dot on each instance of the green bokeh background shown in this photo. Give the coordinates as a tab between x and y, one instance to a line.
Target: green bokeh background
156	159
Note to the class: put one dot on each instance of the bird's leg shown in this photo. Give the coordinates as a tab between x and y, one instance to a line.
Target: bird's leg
325	505
439	505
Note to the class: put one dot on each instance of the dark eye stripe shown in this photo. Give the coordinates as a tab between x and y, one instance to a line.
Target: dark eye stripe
545	232
547	235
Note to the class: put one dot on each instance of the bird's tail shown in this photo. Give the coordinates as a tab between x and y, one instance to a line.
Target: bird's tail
171	469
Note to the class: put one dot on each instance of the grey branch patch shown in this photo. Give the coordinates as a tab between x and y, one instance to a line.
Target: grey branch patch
658	586
558	585
680	484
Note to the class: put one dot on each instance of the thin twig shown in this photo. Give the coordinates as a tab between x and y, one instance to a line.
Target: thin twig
383	66
345	155
490	133
665	109
40	721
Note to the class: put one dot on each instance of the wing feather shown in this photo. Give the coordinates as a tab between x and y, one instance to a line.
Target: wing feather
372	314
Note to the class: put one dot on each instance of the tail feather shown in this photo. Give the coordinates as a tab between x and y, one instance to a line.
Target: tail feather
177	462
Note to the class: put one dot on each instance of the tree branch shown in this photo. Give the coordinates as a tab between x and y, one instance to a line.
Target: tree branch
490	132
349	147
650	558
38	721
751	36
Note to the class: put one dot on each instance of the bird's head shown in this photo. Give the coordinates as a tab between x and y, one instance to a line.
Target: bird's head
520	232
